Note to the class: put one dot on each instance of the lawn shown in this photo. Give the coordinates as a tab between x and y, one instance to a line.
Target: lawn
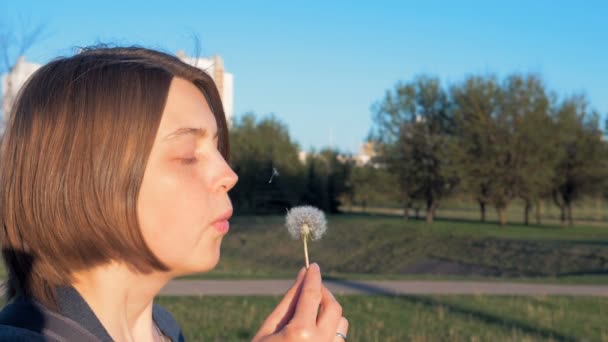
410	318
369	247
376	247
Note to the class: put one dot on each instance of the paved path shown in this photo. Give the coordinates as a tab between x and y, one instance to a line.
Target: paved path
381	287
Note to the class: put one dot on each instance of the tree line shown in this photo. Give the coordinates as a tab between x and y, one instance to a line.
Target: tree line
493	140
273	176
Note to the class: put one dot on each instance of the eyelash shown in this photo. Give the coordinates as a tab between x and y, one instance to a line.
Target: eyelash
188	161
193	160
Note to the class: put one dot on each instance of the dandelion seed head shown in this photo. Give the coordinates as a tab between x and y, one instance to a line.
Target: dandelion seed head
306	220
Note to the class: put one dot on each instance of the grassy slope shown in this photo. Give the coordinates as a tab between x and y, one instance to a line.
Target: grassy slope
408	318
387	247
359	246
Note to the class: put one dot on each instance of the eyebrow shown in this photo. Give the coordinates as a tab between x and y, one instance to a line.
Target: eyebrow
184	131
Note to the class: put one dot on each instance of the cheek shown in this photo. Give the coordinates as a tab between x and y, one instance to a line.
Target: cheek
171	210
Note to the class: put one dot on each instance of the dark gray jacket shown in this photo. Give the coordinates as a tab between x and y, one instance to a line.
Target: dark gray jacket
27	320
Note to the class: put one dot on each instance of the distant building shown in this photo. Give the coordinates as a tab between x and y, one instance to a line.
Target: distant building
302	155
12	82
420	119
366	153
363	157
224	81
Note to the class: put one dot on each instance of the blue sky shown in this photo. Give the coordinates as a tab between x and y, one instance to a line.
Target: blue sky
320	65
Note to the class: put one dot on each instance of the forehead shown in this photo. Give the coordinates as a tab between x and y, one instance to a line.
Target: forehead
186	107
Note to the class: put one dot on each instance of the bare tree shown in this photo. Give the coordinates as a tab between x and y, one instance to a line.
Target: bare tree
14	43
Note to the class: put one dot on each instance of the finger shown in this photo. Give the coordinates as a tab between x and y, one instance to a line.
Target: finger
310	297
330	313
286	307
342	329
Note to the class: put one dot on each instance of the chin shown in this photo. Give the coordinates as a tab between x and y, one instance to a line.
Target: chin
200	260
196	266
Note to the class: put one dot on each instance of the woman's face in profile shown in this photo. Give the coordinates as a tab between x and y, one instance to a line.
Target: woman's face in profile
183	202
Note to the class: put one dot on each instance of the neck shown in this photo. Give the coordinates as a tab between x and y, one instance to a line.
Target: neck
121	299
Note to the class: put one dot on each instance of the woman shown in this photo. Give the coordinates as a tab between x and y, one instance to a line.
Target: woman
114	181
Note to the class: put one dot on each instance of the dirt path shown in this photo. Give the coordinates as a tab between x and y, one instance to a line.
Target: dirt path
384	287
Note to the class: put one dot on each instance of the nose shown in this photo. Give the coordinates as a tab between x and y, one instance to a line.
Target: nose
228	178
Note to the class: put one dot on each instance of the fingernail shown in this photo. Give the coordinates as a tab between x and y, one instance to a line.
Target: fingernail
314	264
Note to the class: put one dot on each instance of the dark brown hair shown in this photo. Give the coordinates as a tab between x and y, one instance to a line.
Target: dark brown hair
72	161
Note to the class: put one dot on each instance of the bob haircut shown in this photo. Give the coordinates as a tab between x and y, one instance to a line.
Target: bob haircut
72	160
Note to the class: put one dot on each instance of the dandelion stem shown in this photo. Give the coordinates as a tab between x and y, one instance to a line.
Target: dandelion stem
306	250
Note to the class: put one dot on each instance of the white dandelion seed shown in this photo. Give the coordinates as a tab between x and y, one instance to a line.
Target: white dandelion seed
306	222
274	173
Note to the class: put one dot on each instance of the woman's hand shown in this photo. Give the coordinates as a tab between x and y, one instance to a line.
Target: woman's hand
307	312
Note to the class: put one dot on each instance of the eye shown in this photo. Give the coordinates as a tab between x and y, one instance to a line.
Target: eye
188	161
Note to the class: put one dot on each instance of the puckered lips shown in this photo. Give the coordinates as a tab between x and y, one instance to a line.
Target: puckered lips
221	223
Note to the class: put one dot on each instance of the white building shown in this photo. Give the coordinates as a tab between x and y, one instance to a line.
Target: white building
363	157
224	81
302	155
366	153
12	82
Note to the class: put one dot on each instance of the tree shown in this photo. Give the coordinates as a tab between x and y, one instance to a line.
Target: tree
582	167
509	146
413	130
536	150
14	43
372	185
477	103
258	149
338	173
316	193
327	179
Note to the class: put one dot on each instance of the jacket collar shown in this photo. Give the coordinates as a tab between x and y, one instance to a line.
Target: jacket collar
73	306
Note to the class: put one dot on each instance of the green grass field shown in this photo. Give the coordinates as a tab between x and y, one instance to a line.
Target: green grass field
387	247
377	247
368	247
410	318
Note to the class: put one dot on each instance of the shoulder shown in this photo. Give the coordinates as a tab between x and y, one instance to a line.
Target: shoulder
167	323
21	321
27	320
11	333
